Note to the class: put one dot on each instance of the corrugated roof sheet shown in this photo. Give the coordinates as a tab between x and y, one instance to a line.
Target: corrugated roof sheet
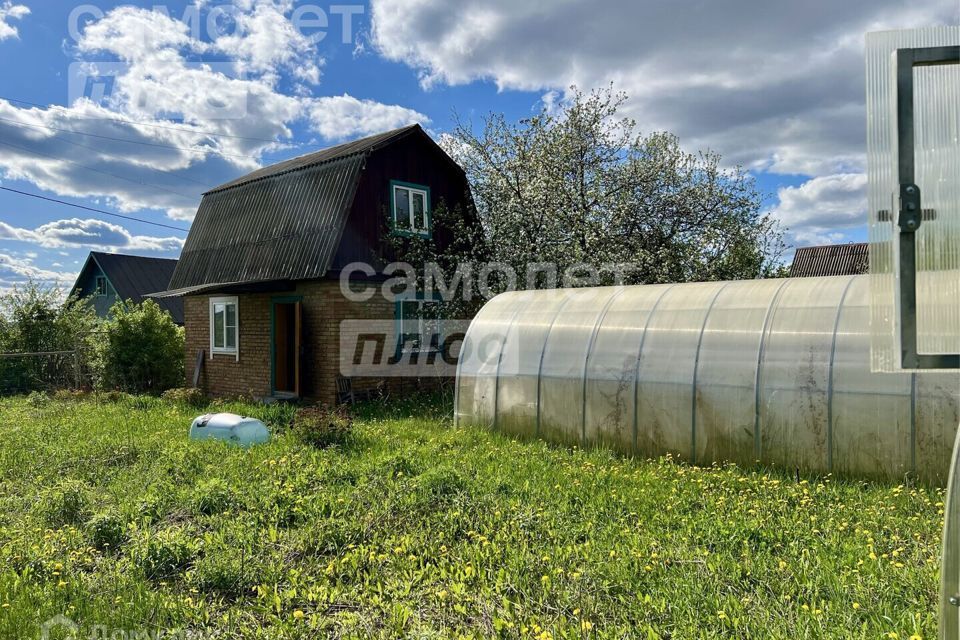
135	276
362	145
831	260
270	225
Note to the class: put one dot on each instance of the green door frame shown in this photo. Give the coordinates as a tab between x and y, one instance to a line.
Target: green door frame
274	301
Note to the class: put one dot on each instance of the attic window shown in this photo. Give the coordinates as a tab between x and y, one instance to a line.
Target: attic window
100	285
411	208
224	336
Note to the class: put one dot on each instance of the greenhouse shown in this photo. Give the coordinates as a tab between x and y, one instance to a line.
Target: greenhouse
775	371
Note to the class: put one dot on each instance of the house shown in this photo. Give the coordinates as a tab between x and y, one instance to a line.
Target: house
831	260
108	277
260	269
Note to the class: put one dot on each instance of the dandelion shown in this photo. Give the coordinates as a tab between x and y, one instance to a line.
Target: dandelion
298	614
916	636
856	605
586	625
722	615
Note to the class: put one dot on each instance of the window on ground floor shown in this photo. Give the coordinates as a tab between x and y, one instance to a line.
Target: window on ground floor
224	334
418	325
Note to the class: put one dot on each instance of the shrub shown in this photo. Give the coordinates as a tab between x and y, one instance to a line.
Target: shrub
163	554
139	350
34	318
322	426
187	396
38	399
212	496
106	531
70	395
68	503
228	570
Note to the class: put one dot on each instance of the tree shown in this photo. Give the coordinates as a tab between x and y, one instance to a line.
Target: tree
139	349
581	187
36	319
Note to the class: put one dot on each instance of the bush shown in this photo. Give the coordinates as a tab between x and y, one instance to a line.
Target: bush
187	396
34	319
164	554
68	503
212	496
322	426
140	349
107	531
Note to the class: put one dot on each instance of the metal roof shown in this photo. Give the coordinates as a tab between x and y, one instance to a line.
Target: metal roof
133	277
363	145
831	260
271	227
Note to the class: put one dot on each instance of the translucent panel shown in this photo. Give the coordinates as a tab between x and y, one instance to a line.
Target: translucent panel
795	373
726	408
564	363
937	157
665	385
564	360
612	367
519	386
937	417
937	154
480	357
871	413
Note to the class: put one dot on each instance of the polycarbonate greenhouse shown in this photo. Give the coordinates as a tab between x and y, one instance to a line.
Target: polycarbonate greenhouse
776	371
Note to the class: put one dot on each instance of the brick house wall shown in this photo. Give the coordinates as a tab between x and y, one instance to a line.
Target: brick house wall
323	310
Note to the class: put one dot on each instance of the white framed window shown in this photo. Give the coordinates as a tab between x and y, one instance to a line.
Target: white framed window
224	332
418	325
411	208
101	285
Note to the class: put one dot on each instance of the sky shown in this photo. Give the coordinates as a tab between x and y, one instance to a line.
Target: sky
136	109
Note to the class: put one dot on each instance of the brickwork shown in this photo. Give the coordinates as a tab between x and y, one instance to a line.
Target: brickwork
323	308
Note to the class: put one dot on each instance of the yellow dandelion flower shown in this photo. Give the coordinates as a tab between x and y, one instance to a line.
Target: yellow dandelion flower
298	614
586	625
856	605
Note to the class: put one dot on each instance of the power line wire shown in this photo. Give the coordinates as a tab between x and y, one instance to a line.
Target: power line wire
155	170
148	144
106	213
106	173
143	123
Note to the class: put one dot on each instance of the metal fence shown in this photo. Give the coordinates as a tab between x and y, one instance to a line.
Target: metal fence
43	371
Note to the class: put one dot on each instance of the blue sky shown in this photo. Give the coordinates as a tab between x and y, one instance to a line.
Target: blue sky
142	107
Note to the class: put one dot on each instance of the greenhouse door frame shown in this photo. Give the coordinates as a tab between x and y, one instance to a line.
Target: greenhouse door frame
911	213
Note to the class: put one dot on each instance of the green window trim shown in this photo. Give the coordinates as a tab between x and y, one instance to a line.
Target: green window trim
412	188
399	321
101	292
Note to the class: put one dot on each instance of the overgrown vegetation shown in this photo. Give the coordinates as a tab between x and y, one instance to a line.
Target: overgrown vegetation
53	344
139	349
109	515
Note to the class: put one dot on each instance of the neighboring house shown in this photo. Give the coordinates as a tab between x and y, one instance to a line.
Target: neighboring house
259	273
831	260
108	277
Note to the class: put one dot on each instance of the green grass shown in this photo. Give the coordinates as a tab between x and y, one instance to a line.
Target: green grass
108	514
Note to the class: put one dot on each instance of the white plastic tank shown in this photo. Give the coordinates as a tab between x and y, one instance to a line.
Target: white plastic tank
240	430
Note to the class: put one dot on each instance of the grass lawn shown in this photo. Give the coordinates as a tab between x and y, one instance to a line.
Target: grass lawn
109	515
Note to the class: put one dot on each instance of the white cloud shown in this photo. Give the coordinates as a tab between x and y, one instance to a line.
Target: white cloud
221	116
10	11
776	86
16	271
88	233
338	117
265	39
823	209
